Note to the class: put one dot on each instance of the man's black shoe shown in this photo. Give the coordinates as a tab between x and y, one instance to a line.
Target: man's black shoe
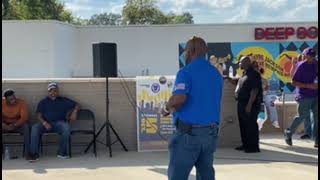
252	150
239	148
305	136
33	157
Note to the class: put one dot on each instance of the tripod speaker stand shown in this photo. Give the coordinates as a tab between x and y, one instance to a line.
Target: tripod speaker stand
107	125
105	65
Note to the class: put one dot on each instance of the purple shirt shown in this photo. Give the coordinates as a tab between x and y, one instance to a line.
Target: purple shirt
306	72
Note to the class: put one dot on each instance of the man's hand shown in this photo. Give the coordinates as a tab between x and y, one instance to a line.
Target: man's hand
248	108
313	86
165	112
8	127
47	125
12	127
233	81
73	115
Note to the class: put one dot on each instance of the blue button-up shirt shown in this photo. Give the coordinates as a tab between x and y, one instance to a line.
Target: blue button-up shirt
203	85
55	110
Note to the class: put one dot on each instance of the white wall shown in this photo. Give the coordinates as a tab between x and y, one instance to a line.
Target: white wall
65	50
27	49
68	49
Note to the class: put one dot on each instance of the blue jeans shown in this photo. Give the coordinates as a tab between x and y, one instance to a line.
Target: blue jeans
308	125
193	149
60	127
304	107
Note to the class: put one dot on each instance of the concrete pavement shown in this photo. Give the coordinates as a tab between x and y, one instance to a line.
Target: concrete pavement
276	162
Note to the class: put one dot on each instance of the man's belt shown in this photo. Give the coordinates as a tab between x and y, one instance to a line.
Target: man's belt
187	128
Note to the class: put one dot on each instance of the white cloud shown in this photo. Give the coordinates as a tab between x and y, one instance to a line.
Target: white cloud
212	11
275	11
241	14
78	7
218	3
179	6
117	8
271	4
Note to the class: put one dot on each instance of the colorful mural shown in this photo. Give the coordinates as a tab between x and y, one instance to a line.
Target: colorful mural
274	57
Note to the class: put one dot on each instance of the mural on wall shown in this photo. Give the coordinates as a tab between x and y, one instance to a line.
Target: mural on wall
274	57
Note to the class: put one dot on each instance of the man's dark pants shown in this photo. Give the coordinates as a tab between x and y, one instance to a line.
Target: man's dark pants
249	130
25	130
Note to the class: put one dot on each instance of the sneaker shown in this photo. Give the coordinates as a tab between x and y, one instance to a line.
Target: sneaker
260	124
305	136
276	124
33	158
288	137
239	148
63	156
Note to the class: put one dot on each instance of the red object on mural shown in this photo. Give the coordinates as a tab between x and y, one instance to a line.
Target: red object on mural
283	33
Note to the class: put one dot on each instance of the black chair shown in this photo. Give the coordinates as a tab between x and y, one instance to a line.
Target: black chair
7	134
46	134
86	125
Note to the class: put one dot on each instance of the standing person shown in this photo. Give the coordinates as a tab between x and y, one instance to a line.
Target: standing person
249	97
214	62
305	79
15	117
270	110
307	122
195	105
53	115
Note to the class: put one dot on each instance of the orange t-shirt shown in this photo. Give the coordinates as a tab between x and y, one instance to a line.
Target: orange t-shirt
17	113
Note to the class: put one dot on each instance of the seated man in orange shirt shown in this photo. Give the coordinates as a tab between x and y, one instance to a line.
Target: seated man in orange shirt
15	117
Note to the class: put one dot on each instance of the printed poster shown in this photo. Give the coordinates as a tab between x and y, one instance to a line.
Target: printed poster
153	130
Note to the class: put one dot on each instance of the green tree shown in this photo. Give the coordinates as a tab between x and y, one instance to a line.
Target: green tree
80	21
185	18
146	12
105	19
140	12
35	9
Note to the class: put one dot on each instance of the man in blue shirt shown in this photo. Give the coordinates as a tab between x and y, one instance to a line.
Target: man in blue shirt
53	112
195	105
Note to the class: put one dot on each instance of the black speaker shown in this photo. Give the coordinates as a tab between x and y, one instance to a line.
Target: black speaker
105	60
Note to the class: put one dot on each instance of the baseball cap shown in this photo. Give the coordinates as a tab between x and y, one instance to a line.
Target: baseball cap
309	52
8	92
52	85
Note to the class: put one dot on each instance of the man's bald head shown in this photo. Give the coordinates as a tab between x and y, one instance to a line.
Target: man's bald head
196	47
245	62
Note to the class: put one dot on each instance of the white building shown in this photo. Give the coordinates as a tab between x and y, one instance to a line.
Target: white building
51	49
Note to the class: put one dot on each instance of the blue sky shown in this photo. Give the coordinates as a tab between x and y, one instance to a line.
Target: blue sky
213	11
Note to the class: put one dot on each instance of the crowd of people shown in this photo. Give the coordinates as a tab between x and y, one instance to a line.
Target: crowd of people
195	104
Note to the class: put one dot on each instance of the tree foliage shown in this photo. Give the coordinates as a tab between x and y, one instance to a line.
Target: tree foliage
147	12
105	19
134	12
35	9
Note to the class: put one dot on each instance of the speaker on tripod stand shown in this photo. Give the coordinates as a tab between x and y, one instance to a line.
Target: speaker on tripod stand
105	65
